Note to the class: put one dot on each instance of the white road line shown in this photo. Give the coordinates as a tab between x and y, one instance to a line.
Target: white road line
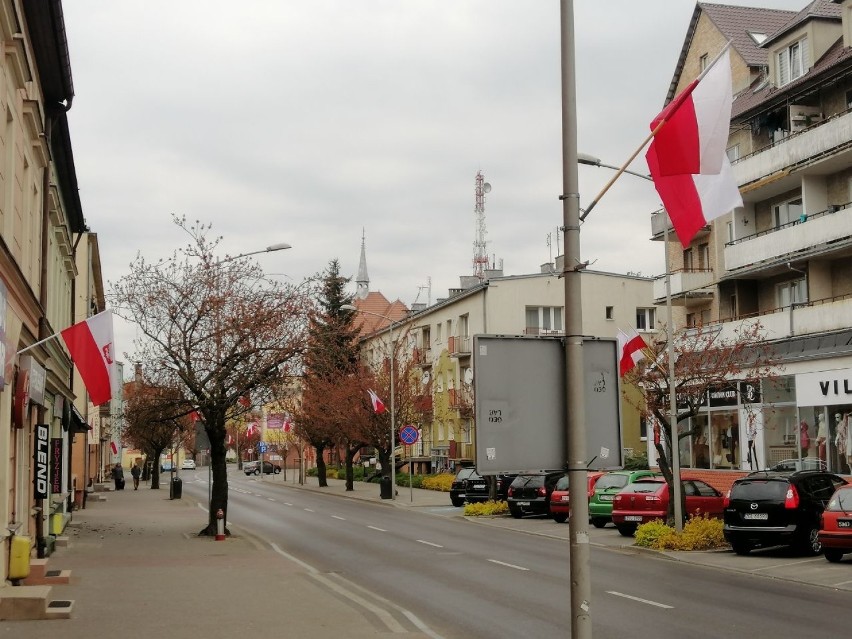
639	599
379	529
792	563
287	503
842	583
270	499
429	543
503	563
338	517
309	510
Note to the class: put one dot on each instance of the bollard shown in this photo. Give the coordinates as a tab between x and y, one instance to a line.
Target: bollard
220	525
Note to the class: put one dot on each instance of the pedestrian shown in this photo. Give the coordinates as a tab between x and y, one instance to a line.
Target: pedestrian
136	472
118	476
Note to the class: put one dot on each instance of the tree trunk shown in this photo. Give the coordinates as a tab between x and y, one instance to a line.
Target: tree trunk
350	470
219	490
321	472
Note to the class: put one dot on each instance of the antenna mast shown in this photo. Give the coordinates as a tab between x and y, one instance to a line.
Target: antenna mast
480	254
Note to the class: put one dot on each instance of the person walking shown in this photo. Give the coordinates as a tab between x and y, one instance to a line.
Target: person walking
118	476
136	472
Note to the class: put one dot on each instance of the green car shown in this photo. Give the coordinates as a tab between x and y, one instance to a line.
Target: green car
600	504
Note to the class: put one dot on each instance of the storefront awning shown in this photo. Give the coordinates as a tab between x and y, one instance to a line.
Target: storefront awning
826	345
78	424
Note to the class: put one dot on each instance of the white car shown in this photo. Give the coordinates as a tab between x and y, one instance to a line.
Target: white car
188	464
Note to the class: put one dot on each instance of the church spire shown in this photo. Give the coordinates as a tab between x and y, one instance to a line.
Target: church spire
363	281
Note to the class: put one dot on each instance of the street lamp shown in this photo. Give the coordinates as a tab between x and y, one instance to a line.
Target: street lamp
583	158
350	307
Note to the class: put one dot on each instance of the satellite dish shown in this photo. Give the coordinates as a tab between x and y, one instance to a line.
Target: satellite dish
425	378
486	188
468	376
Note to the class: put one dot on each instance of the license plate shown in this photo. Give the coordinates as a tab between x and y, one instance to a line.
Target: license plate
607	497
632	517
523	503
479	485
759	516
844	523
566	497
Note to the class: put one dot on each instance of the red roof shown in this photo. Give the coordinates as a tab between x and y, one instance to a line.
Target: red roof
375	309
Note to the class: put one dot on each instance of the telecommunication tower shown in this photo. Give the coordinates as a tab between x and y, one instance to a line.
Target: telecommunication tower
480	253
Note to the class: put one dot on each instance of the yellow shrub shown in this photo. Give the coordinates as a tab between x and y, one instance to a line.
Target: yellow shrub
486	508
699	533
440	482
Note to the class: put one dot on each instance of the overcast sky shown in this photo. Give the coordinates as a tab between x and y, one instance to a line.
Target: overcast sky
306	121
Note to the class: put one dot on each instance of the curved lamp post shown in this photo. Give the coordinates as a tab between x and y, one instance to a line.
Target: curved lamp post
350	307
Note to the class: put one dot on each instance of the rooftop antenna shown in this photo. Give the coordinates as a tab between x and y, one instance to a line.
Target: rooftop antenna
480	254
428	288
549	248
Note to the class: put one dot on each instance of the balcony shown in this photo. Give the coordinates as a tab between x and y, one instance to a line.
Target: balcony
660	220
818	232
422	357
819	316
818	142
459	346
687	285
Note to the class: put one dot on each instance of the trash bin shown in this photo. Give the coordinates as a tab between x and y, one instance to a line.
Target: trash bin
386	488
175	488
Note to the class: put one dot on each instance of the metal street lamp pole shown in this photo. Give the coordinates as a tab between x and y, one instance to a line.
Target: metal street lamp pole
350	307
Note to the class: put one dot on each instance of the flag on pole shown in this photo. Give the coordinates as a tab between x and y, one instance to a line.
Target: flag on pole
687	159
91	346
114	448
288	425
378	405
251	428
630	350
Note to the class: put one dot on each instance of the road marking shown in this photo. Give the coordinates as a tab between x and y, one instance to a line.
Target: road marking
842	583
639	599
338	517
503	563
309	510
379	529
792	563
429	543
270	499
287	503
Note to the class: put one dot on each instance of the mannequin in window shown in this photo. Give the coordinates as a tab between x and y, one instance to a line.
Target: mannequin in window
821	437
751	434
842	439
804	438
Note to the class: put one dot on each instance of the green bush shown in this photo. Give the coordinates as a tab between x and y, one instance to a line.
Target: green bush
416	480
699	533
311	472
486	508
636	462
440	482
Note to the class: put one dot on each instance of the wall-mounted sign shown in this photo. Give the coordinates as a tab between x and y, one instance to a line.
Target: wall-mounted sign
56	465
40	461
38	377
21	407
824	388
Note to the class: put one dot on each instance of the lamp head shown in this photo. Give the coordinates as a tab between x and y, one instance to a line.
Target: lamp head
278	247
347	307
585	158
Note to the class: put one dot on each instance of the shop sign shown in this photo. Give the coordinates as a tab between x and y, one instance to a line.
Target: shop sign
38	377
40	461
824	388
750	392
724	396
56	465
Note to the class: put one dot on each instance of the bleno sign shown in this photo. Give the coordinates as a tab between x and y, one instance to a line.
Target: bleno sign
40	457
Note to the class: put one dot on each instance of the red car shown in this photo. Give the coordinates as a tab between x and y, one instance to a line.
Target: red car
835	529
560	504
647	499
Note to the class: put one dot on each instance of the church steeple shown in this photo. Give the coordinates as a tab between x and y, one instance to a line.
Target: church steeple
363	280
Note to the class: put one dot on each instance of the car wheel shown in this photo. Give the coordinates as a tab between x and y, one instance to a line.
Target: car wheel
626	530
257	471
457	501
598	522
277	471
833	555
810	543
559	518
741	547
516	512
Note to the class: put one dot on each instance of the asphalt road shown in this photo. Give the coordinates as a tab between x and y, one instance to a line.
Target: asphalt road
464	580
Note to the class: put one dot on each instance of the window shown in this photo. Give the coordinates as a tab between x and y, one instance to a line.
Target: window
793	62
643	428
645	319
703	62
733	153
787	212
464	330
757	37
792	292
438	333
449	328
691	320
543	319
609	312
688	260
849	99
704	256
730	227
427	338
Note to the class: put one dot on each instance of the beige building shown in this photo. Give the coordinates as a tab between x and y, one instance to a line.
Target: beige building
785	259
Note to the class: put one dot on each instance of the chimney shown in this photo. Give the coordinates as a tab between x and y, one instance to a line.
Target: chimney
137	373
560	263
468	281
547	267
493	272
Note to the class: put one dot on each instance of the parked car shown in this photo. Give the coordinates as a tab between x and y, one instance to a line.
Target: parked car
600	503
647	499
807	463
560	502
457	488
835	529
253	468
476	488
188	464
166	467
529	493
768	508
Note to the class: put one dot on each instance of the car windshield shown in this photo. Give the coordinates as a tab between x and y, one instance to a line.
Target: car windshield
759	489
562	484
611	481
643	487
528	480
842	500
466	473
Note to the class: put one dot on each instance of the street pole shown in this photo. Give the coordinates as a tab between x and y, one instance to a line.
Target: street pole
675	440
575	413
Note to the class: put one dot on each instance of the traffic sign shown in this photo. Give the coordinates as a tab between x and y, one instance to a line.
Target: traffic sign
261	447
408	435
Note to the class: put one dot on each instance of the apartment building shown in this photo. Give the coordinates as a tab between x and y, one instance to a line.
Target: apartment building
440	339
785	259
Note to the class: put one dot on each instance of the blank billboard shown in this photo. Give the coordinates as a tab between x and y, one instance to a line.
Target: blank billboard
519	392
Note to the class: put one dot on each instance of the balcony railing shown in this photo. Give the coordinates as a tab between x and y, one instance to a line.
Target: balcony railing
459	345
819	229
686	283
422	356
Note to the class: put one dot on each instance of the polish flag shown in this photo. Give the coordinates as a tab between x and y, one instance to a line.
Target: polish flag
630	350
251	428
378	405
91	346
288	425
114	448
687	159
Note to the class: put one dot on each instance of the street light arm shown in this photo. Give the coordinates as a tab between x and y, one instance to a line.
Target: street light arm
269	249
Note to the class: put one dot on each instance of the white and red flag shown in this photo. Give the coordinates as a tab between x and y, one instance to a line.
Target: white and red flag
688	160
288	425
631	348
378	405
251	428
91	346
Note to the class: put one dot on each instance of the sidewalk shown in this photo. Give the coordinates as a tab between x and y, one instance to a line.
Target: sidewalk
139	570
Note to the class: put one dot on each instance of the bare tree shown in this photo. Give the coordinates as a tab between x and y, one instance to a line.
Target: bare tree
217	327
704	362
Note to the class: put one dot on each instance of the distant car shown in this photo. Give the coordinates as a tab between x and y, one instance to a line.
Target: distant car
166	467
458	487
188	464
253	468
835	529
529	493
767	508
807	463
560	503
600	503
647	499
